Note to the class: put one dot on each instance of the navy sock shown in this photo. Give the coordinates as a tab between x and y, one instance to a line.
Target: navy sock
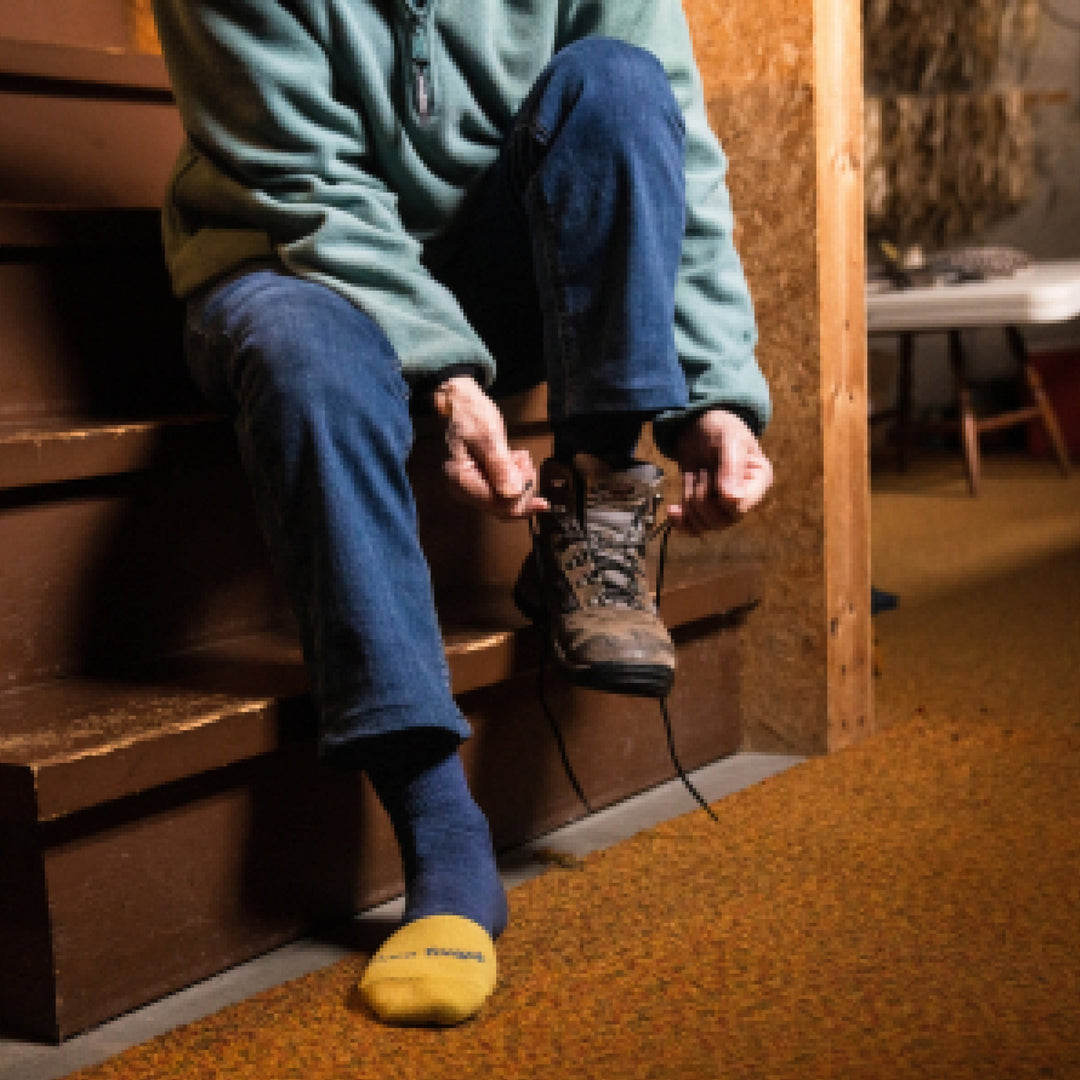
445	840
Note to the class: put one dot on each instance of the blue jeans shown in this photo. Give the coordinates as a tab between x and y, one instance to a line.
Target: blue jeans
564	259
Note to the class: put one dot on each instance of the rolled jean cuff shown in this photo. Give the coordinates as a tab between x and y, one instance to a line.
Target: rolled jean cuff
342	739
648	400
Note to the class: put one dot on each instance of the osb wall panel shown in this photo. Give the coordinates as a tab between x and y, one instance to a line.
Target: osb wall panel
757	62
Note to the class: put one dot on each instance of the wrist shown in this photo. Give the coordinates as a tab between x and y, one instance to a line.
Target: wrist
451	389
425	387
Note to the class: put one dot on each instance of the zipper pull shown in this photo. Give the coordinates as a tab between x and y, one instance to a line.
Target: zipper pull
422	92
420	49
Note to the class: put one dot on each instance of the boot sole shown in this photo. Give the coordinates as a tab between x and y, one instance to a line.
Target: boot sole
634	679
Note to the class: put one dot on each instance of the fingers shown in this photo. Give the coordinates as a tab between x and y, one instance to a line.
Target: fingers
514	498
466	481
486	445
481	467
528	502
758	480
734	480
704	507
733	455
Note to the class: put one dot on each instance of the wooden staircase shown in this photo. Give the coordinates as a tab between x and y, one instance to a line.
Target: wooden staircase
162	812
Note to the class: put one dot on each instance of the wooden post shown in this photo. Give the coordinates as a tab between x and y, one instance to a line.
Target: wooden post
841	278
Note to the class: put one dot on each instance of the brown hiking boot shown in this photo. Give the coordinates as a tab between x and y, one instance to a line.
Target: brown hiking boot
586	576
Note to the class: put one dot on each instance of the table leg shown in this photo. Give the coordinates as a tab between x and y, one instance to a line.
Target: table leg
902	430
1038	396
969	428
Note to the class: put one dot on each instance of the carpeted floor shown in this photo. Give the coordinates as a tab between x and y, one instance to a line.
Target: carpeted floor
989	618
909	908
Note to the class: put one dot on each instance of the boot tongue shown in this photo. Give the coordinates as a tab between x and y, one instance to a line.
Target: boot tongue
617	511
617	499
616	492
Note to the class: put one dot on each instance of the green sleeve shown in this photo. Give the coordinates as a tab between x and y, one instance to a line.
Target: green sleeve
715	329
276	164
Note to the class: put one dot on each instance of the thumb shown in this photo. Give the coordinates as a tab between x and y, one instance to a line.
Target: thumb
733	469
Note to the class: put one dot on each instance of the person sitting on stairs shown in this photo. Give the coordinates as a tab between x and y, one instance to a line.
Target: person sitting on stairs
384	206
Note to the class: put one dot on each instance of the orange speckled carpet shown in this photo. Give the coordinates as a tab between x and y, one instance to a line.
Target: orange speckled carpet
909	908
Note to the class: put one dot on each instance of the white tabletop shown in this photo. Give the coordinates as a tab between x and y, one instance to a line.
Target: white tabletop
1046	292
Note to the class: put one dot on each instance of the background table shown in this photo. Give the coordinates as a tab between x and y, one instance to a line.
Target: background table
1039	294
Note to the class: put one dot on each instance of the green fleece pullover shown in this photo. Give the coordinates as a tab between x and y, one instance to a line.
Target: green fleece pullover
340	136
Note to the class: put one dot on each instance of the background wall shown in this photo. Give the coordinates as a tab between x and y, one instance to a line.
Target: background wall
1048	227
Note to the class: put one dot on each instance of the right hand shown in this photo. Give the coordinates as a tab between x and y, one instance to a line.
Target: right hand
725	472
480	466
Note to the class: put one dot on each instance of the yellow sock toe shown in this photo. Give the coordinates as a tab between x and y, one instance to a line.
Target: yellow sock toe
439	970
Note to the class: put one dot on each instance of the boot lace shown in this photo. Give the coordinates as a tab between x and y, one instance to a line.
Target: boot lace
610	548
619	570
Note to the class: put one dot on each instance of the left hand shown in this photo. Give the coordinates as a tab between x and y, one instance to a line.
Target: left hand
482	469
725	472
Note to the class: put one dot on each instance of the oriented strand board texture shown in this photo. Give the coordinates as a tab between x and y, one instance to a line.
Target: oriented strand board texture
756	58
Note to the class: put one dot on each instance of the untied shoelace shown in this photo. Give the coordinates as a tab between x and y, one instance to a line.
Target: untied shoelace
662	530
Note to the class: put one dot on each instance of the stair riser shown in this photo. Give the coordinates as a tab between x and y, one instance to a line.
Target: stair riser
100	24
91	336
466	547
101	575
129	570
616	744
27	989
100	150
190	879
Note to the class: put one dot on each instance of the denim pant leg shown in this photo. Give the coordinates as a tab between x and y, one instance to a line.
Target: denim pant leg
322	419
567	255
